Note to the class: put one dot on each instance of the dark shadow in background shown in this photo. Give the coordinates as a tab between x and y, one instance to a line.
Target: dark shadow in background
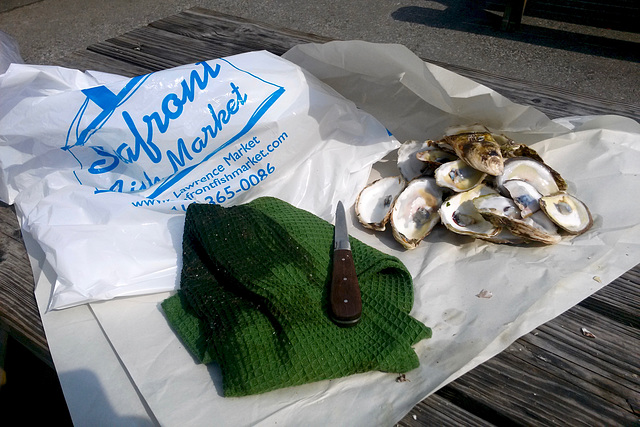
483	17
32	394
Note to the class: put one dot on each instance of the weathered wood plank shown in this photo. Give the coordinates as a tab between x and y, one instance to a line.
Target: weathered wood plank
611	355
87	60
191	37
19	313
620	300
157	43
523	393
233	33
590	319
557	375
438	411
123	51
554	366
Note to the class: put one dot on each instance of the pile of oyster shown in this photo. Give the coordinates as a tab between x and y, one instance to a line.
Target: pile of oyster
477	183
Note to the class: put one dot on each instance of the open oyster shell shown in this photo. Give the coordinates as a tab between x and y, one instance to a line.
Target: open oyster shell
374	203
545	180
567	212
493	204
524	194
434	158
458	176
503	212
459	214
415	211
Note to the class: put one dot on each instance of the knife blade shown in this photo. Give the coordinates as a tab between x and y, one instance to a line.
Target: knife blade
345	298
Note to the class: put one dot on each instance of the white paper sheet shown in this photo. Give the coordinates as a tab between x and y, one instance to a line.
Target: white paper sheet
598	156
94	381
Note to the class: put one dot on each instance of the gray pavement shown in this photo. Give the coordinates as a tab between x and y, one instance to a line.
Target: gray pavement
581	57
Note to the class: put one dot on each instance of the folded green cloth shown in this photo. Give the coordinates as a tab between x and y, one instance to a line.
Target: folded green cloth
254	298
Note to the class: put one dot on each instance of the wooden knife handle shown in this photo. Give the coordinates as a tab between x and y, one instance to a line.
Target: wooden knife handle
346	303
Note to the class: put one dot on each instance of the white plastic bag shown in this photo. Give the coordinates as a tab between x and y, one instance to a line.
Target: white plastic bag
101	168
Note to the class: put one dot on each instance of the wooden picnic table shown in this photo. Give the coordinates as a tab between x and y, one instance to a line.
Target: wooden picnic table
555	374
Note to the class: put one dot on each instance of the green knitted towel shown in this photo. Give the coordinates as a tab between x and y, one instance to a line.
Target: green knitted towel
254	298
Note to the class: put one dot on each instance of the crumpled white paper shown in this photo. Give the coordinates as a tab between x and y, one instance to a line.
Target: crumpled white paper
598	156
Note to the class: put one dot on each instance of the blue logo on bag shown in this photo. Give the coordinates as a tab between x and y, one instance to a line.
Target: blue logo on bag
131	138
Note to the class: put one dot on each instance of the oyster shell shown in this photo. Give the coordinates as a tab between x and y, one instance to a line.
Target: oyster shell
505	237
410	167
545	230
503	192
538	174
493	204
506	144
434	158
458	176
459	214
415	212
503	212
472	128
499	206
479	149
567	212
524	194
374	203
513	149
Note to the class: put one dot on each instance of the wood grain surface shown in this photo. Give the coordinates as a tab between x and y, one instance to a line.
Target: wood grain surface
19	313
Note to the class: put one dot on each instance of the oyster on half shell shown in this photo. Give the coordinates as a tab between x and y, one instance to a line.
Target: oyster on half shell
374	203
415	212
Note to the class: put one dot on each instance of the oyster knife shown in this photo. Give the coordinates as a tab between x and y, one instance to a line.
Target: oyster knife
344	295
